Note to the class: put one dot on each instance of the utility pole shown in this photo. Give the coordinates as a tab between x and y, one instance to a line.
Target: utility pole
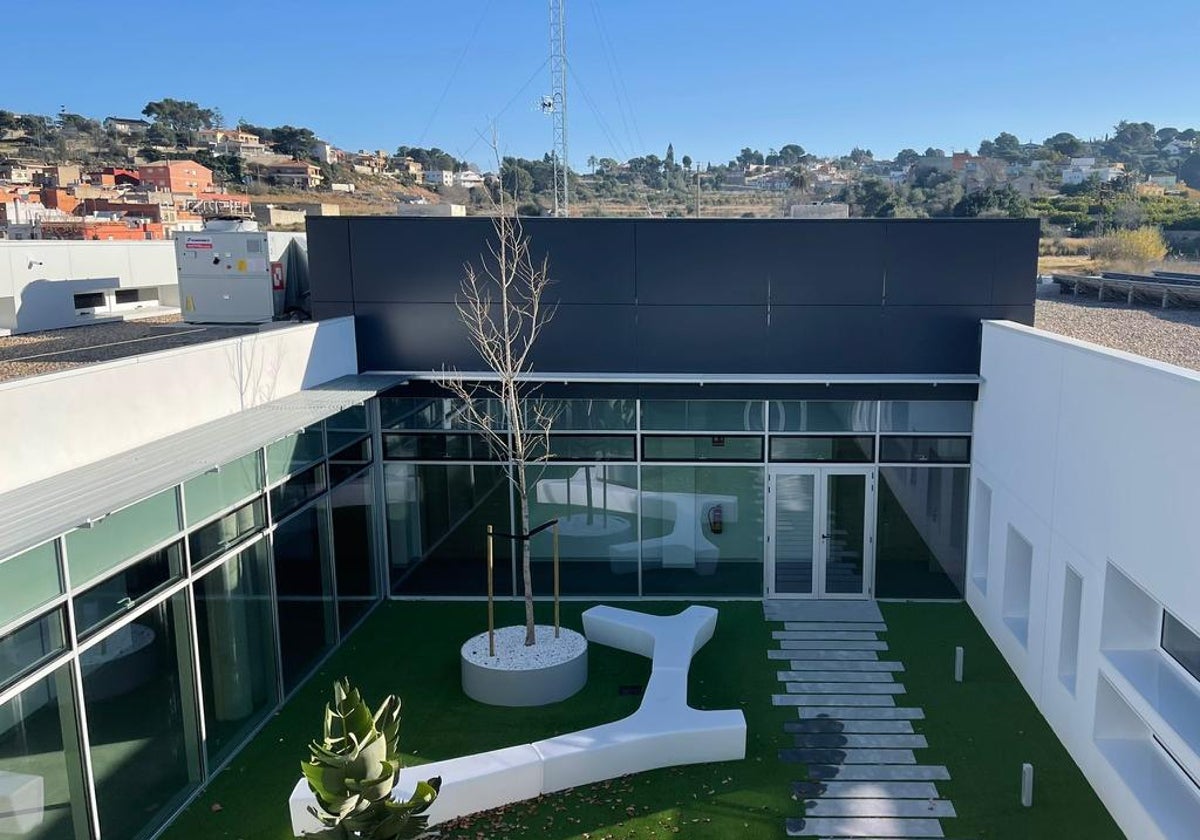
697	192
558	106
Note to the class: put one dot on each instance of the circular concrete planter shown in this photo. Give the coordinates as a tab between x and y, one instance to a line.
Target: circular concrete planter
549	671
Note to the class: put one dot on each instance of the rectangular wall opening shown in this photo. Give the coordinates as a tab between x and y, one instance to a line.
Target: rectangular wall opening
981	536
1018	570
1068	640
1160	784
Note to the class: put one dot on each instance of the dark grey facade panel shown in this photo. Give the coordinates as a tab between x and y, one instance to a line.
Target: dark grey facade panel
966	391
707	339
329	265
859	296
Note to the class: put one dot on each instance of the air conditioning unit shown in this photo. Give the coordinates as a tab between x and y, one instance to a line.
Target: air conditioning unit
232	276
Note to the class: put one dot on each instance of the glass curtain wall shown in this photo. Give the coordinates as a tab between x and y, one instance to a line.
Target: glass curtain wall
667	497
173	657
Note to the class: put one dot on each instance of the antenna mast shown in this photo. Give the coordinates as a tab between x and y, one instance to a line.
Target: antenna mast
558	106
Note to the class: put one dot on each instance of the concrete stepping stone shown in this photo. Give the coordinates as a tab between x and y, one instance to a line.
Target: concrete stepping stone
839	611
844	688
824	655
851	665
932	808
830	635
804	755
879	772
833	700
822	726
864	790
874	627
857	713
837	676
838	740
831	644
873	827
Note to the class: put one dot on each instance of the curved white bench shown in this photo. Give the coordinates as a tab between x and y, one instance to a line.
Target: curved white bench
663	732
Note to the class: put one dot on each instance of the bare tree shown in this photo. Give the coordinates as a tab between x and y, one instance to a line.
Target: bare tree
501	306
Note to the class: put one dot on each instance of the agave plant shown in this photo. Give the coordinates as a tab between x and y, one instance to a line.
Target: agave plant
353	769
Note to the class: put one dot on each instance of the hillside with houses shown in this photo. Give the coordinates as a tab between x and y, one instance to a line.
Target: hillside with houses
151	176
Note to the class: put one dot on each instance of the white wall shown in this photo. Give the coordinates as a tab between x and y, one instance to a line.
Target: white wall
60	421
1092	456
25	268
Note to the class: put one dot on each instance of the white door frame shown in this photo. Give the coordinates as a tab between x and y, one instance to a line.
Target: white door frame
821	473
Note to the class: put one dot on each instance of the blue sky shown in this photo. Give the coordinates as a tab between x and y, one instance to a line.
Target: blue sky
710	77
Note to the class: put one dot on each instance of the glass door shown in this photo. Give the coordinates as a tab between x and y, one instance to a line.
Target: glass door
820	531
792	531
846	518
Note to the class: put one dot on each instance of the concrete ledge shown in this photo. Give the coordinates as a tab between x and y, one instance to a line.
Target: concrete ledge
663	732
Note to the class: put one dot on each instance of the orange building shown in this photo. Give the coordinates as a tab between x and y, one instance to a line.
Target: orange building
93	229
179	176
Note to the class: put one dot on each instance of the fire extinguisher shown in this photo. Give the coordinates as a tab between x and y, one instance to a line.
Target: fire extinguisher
716	522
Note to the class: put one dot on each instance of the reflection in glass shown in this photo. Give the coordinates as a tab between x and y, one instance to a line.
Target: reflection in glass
596	508
586	415
842	449
921	532
304	589
702	448
592	447
236	636
437	518
29	580
1182	644
822	415
926	416
141	720
354	548
432	413
217	537
295	452
129	587
945	450
127	533
297	490
40	763
702	530
795	532
217	489
31	644
703	415
438	447
845	533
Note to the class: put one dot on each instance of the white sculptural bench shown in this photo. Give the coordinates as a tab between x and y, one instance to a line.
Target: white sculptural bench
663	732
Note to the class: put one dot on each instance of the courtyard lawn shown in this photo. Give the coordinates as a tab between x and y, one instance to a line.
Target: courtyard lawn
982	730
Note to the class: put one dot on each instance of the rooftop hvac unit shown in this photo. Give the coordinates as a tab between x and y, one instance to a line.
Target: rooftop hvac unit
235	277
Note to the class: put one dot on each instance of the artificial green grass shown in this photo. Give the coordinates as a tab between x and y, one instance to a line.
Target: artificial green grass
984	729
411	649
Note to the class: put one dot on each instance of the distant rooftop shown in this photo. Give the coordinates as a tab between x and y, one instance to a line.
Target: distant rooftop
31	354
1168	335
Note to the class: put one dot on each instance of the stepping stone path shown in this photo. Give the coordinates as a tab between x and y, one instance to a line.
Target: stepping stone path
855	749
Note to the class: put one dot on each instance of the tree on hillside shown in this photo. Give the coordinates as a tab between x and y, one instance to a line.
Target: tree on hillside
798	178
750	157
181	116
993	201
861	156
1006	146
1189	172
293	141
907	157
264	134
515	179
792	154
687	163
1066	144
870	198
431	158
932	152
669	160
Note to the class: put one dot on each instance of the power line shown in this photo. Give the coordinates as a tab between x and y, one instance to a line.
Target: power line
479	135
617	78
454	73
612	141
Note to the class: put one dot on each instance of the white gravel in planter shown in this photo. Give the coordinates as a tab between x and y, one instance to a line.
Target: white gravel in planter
513	655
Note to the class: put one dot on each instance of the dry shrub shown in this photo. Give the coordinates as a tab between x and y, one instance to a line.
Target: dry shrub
1139	247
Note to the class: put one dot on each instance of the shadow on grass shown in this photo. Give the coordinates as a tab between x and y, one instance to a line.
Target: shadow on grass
411	649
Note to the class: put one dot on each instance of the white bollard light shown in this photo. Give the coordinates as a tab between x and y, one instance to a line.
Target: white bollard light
1027	785
958	663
